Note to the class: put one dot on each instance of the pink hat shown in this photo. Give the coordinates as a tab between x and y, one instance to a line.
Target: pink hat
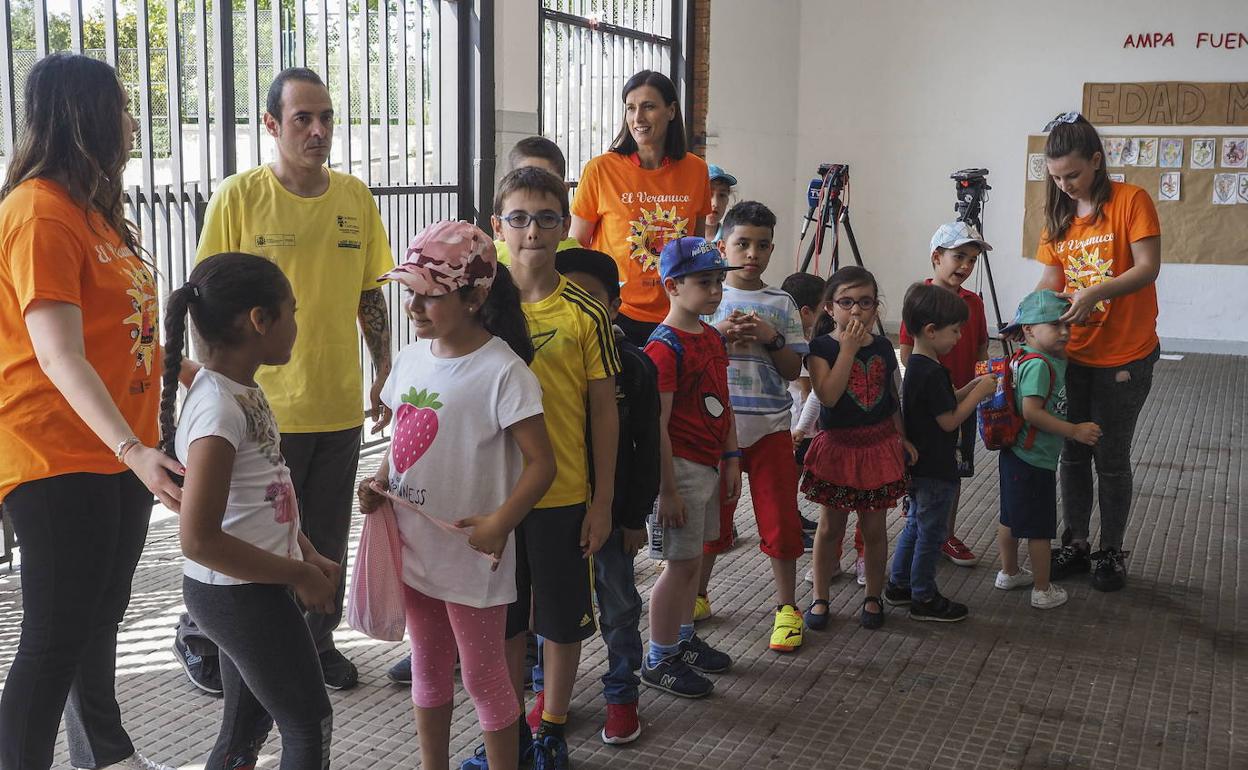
445	257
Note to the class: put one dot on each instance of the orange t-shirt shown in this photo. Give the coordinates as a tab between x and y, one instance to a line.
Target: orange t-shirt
637	211
51	249
1123	329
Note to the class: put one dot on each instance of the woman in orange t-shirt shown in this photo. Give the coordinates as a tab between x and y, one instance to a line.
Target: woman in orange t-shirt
645	191
80	373
1102	250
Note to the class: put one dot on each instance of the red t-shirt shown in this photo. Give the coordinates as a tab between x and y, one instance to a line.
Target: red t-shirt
694	368
961	360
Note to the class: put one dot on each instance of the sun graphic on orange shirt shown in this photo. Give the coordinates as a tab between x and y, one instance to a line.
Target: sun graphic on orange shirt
649	234
143	319
1085	269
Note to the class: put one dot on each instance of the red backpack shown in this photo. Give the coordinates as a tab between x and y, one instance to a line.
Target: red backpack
998	417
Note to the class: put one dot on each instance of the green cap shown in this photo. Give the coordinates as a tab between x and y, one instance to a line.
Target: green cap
1039	307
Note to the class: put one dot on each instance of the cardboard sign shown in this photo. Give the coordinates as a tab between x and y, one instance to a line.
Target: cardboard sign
1172	103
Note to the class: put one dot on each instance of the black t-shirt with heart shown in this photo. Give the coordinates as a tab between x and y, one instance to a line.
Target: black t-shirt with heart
868	397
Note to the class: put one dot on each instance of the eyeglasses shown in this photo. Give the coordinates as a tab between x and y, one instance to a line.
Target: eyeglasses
1065	117
547	220
845	303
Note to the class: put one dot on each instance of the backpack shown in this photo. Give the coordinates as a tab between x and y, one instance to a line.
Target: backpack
999	420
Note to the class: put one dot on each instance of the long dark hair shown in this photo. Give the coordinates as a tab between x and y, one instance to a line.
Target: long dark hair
845	278
72	131
1079	137
501	314
219	290
674	145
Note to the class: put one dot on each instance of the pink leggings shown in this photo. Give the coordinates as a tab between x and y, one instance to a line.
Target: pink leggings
438	630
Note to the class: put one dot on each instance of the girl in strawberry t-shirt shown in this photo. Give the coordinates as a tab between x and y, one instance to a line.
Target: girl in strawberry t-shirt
857	461
469	458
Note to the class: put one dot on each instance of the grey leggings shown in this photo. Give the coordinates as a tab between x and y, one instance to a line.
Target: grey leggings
269	671
1112	397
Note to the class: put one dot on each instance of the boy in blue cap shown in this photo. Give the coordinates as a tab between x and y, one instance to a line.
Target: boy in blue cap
721	193
697	435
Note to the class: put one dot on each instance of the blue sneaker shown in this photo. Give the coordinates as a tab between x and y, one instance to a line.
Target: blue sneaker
479	761
673	675
700	656
550	752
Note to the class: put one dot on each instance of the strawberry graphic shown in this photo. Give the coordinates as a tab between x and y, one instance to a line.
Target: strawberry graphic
415	428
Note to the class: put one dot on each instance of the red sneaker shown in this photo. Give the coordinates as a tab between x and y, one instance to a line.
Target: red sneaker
535	714
622	726
957	552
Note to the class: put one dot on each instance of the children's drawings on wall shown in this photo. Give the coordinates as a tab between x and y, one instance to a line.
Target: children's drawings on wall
1168	189
1234	152
1202	153
1171	153
1224	189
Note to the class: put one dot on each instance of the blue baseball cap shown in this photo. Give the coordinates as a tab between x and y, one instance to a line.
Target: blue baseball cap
690	255
717	173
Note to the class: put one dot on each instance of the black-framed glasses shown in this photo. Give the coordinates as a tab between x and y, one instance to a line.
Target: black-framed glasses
847	303
547	220
1065	117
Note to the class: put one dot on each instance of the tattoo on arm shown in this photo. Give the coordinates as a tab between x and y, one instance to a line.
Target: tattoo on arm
375	323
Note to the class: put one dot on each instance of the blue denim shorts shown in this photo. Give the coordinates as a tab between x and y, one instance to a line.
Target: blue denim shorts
1028	498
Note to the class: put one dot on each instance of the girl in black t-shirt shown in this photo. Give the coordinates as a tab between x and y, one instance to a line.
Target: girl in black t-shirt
857	462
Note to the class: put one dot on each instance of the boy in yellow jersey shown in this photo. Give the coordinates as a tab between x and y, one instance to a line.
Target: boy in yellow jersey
576	361
322	228
536	152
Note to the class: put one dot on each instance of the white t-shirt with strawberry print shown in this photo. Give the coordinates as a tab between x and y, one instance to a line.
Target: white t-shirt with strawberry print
451	457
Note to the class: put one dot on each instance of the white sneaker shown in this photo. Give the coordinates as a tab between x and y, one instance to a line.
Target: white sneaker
860	567
1009	582
810	574
137	761
1047	600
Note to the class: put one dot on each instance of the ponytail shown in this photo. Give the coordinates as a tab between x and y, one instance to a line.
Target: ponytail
175	341
501	315
219	290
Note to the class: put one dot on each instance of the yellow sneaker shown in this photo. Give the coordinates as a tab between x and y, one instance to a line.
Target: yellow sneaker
786	632
701	608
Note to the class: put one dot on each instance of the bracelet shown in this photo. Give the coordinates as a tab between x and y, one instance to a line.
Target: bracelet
125	446
730	455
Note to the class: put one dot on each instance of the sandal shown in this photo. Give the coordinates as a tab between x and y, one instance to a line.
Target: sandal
817	621
871	620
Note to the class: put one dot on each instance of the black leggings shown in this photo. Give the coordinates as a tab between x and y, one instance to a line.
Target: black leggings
81	536
269	666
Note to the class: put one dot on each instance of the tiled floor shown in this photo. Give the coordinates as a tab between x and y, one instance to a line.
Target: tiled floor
1153	677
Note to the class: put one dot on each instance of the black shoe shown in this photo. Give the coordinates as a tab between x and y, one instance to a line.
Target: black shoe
896	596
700	656
1108	571
808	542
868	619
938	609
200	669
807	524
401	672
1066	561
339	673
673	675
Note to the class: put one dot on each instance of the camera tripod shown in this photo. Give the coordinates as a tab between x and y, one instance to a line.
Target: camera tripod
970	188
825	197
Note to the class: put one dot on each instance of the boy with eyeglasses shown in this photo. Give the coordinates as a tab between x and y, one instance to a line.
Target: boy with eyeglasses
576	361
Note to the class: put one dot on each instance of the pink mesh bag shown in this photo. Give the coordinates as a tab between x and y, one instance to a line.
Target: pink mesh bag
375	605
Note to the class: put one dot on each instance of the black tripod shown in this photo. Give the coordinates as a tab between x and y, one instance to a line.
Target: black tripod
971	187
829	211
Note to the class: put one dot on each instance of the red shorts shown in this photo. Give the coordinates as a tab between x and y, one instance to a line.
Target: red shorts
773	490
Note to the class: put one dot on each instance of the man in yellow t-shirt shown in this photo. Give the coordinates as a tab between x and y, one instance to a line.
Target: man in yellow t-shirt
324	231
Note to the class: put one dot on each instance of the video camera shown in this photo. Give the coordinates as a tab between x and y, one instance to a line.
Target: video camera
970	188
836	174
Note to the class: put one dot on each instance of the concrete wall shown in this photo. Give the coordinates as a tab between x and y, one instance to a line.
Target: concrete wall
907	92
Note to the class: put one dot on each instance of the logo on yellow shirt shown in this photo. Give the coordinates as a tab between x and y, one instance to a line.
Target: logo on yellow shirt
649	234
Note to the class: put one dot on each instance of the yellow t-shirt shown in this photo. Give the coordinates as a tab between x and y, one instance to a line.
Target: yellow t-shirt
331	248
573	344
504	253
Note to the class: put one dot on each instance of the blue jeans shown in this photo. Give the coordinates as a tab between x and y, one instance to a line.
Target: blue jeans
918	546
619	613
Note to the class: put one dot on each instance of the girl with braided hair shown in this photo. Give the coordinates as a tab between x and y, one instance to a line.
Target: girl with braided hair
240	520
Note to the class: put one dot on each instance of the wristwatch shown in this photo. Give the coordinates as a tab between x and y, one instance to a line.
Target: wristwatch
776	343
